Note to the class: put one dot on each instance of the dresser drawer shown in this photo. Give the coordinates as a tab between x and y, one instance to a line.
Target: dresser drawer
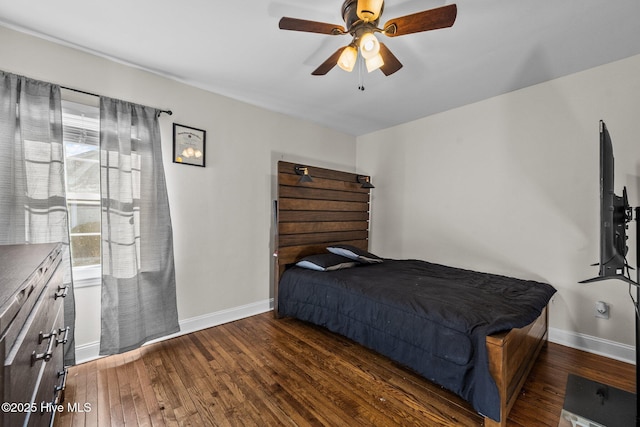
49	379
32	349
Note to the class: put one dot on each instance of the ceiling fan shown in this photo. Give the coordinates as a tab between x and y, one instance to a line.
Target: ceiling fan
361	18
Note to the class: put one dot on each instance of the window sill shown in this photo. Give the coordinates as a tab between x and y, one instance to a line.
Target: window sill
87	276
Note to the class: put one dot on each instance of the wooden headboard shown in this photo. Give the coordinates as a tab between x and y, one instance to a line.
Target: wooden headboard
333	208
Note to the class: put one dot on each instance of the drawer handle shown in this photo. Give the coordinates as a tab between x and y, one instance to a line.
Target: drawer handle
62	292
65	337
42	336
59	389
48	354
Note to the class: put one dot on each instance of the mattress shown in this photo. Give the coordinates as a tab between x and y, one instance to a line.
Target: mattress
431	318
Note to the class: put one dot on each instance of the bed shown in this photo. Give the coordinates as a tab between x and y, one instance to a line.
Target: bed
417	313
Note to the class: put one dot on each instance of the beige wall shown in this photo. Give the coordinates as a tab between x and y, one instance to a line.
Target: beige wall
222	213
511	185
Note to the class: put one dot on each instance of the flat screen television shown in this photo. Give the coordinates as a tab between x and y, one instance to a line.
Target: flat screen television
615	213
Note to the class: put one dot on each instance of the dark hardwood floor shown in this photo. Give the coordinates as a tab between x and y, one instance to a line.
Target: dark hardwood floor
265	372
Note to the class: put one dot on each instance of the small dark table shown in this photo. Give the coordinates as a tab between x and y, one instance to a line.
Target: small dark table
591	404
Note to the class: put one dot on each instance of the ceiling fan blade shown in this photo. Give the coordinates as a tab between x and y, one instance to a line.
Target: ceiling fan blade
391	63
432	19
327	65
295	24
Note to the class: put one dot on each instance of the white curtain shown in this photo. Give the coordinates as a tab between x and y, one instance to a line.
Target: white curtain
138	273
32	193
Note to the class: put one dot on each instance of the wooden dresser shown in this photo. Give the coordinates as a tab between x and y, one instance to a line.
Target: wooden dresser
32	334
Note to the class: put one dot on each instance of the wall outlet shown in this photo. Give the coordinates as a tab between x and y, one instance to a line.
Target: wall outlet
602	310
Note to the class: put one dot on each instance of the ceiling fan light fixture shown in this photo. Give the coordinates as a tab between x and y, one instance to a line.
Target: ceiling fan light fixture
369	10
361	18
369	45
374	63
348	58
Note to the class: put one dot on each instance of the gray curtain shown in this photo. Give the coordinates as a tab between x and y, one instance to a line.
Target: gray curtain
33	205
138	274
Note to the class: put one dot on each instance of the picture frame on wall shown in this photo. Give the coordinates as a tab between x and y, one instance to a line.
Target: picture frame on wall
189	145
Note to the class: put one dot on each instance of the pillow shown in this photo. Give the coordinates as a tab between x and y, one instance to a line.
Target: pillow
325	262
355	253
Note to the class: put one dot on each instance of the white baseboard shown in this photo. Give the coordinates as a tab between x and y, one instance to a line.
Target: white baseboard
90	351
611	349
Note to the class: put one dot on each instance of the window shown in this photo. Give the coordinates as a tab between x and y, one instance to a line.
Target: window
81	130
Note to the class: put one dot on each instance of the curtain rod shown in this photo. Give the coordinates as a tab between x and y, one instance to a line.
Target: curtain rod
168	112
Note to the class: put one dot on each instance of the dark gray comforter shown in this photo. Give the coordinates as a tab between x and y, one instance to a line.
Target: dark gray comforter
429	317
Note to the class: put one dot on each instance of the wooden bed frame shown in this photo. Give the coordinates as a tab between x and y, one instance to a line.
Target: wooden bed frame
334	208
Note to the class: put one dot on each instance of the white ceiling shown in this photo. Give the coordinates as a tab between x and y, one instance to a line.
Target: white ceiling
235	48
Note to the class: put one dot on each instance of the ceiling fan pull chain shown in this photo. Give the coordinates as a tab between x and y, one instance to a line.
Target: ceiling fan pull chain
360	73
